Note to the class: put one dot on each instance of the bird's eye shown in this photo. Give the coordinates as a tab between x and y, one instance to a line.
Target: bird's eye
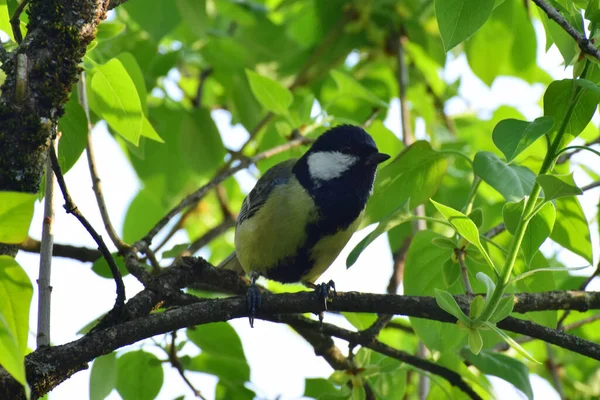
346	149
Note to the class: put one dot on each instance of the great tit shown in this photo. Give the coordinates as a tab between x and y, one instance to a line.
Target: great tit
302	212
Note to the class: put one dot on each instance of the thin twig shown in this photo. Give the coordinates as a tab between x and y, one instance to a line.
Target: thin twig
582	322
495	231
583	286
356	338
464	273
15	21
584	43
553	368
71	208
83	254
590	186
204	73
176	363
399	263
208	237
96	183
567	156
324	45
44	287
156	269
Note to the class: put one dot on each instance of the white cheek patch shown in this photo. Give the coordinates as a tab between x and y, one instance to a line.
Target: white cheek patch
327	165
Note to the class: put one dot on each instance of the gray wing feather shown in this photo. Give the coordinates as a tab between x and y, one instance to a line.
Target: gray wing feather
277	175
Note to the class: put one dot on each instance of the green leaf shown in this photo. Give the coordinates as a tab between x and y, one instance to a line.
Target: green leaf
16	292
571	229
444	243
193	13
360	321
511	342
447	303
556	186
175	250
490	286
137	76
16	211
319	388
228	368
477	217
349	86
557	35
101	268
451	272
74	129
11	358
271	94
416	174
158	20
139	375
143	212
464	226
512	136
513	182
222	352
475	341
389	380
476	307
422	275
399	216
459	19
217	338
116	99
506	45
539	228
108	30
504	308
103	376
556	103
508	368
226	390
201	143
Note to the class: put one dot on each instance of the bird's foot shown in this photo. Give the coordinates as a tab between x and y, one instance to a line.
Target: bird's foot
323	291
253	299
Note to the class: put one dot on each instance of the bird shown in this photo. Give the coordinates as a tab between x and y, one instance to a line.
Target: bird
302	212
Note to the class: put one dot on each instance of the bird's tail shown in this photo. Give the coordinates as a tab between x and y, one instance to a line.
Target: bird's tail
232	263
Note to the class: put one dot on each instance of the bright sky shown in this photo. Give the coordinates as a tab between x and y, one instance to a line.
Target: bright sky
80	296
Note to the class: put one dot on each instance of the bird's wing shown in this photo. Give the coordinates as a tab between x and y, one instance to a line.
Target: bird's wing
277	175
232	263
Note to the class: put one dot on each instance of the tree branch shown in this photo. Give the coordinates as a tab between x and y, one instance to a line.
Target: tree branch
57	30
83	254
584	43
48	367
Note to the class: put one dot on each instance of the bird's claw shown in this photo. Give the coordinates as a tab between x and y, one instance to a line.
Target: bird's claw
323	294
253	299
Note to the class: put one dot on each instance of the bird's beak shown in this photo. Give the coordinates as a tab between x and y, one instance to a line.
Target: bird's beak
377	158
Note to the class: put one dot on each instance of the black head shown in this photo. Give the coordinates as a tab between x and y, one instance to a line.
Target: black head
338	171
346	139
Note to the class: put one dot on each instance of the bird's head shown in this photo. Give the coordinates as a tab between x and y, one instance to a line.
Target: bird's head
345	151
